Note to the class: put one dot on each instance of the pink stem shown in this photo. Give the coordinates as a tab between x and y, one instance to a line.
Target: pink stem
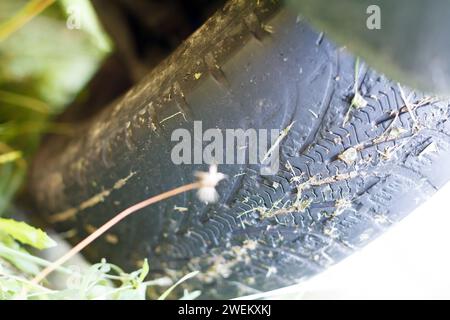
120	216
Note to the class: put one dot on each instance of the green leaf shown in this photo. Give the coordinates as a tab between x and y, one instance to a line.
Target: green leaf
144	271
10	156
26	233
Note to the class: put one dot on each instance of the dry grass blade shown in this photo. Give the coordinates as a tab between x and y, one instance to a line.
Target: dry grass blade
24	102
28	12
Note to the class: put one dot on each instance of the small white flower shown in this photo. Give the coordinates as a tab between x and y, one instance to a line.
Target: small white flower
209	180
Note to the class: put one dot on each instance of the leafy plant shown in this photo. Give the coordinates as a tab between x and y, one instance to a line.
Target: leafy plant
100	281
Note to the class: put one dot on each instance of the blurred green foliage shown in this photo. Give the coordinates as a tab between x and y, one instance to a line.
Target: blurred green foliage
43	66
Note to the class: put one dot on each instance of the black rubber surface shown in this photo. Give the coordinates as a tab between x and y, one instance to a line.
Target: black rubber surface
261	67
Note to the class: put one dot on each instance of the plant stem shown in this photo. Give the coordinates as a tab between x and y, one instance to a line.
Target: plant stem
26	256
109	224
23	280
